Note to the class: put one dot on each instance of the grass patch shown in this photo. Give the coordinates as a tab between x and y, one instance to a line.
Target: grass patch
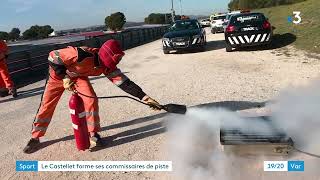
307	32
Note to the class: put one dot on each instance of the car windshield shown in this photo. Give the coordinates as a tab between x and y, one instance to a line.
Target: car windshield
185	25
247	19
230	15
219	17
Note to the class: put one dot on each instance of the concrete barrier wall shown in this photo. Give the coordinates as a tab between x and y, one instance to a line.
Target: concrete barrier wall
31	65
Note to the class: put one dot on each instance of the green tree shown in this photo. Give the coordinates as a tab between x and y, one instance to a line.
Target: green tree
4	35
233	5
158	18
14	33
44	31
37	32
115	21
244	4
30	33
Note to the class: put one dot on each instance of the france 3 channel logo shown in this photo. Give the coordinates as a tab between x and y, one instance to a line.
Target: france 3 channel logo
296	18
291	166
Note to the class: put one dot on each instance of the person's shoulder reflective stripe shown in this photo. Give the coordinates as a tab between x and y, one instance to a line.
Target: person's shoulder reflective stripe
57	55
65	56
54	57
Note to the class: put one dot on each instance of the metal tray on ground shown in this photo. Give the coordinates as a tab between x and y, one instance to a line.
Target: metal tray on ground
242	140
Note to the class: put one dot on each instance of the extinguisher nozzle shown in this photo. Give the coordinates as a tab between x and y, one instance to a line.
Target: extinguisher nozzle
175	108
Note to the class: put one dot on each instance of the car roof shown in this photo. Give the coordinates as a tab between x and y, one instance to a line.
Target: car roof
246	14
234	12
219	15
186	20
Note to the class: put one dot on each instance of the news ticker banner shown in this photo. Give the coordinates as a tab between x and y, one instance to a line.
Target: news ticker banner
297	166
160	166
35	166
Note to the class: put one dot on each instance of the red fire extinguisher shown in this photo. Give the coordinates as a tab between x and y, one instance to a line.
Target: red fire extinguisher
79	123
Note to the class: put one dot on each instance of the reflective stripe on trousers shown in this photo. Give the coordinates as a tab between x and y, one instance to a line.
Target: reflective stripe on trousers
93	121
40	127
51	97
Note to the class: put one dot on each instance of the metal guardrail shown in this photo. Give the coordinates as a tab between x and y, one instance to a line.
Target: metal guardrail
25	66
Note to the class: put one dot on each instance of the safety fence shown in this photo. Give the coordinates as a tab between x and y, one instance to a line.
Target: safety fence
31	65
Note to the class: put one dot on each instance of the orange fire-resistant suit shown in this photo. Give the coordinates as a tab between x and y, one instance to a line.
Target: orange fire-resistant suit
5	80
78	63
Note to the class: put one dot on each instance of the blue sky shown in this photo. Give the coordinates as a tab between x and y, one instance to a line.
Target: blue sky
64	14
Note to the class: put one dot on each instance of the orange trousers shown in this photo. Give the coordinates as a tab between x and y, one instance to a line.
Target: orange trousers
5	80
51	96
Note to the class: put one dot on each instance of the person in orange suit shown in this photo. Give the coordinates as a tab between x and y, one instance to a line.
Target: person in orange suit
69	69
6	84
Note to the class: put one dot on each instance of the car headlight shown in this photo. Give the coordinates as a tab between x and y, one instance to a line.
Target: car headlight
196	39
166	42
166	39
196	36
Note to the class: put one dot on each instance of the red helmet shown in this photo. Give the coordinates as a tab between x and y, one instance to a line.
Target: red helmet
110	54
3	47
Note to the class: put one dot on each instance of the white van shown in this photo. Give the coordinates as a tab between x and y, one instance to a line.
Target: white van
217	23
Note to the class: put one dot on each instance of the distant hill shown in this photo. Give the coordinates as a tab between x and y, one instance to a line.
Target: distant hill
130	24
198	16
95	28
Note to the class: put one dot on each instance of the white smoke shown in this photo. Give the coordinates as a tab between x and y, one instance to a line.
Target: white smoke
194	143
297	111
195	146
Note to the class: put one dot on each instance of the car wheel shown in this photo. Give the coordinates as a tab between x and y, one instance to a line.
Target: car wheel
202	48
166	51
270	45
228	47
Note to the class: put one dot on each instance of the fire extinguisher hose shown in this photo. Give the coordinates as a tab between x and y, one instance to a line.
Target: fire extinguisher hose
171	108
111	97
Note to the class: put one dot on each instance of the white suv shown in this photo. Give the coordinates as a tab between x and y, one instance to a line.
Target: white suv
225	23
205	22
216	23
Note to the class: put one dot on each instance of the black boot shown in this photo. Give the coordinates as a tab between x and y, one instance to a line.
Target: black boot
96	140
32	146
13	92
